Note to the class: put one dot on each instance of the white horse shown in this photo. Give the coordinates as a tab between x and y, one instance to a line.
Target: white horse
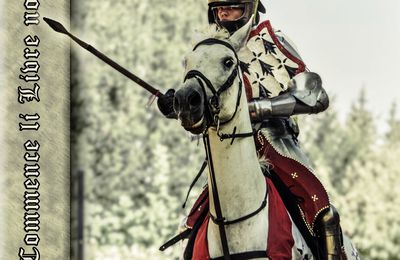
212	101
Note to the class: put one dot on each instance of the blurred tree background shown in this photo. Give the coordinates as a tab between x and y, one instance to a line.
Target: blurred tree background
138	165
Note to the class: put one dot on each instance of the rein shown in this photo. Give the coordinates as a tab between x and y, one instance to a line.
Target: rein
218	210
213	104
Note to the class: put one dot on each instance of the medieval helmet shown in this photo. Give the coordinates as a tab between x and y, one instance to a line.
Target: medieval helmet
249	8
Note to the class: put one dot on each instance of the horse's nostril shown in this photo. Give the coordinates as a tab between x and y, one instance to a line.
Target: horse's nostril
176	103
194	99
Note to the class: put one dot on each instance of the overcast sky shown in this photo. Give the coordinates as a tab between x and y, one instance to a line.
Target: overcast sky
350	43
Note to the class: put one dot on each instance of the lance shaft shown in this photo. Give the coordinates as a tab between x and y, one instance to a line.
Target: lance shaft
60	28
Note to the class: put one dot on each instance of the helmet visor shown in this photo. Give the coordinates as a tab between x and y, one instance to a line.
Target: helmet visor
228	12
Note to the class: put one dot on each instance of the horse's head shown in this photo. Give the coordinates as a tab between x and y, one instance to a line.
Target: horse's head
211	90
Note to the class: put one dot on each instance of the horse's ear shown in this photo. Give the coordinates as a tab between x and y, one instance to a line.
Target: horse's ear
239	38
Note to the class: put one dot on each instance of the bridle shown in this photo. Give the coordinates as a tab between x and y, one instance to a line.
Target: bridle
213	106
213	103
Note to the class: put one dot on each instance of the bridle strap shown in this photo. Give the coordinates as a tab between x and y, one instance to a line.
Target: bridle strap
195	74
226	85
212	41
217	205
216	93
203	166
225	222
228	82
234	135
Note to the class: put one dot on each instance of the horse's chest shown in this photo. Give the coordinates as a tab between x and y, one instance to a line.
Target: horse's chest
249	235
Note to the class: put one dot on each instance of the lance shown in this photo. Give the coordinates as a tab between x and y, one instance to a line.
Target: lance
58	27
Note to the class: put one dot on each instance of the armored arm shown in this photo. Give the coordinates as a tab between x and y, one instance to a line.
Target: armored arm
304	95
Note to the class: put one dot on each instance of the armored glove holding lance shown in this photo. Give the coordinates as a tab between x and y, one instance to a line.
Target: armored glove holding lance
166	104
304	95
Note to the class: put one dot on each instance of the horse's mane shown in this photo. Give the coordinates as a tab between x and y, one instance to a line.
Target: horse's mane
211	31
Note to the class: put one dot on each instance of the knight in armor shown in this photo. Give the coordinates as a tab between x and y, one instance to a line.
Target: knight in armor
279	87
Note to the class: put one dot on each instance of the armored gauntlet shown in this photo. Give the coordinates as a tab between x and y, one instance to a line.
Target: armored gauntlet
166	104
304	95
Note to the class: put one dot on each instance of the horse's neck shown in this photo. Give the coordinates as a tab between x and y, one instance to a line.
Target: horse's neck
240	182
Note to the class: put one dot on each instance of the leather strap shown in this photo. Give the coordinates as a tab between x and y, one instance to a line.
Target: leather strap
214	101
176	239
203	166
232	136
229	222
217	205
212	41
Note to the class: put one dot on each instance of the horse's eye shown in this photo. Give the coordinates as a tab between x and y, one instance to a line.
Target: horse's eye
228	62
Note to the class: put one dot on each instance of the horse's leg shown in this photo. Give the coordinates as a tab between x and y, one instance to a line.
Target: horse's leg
351	251
300	249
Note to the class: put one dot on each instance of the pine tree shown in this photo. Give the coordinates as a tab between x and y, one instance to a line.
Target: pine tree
132	157
320	135
368	208
392	137
356	144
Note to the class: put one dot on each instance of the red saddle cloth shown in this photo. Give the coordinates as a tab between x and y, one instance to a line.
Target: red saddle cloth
280	239
302	183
